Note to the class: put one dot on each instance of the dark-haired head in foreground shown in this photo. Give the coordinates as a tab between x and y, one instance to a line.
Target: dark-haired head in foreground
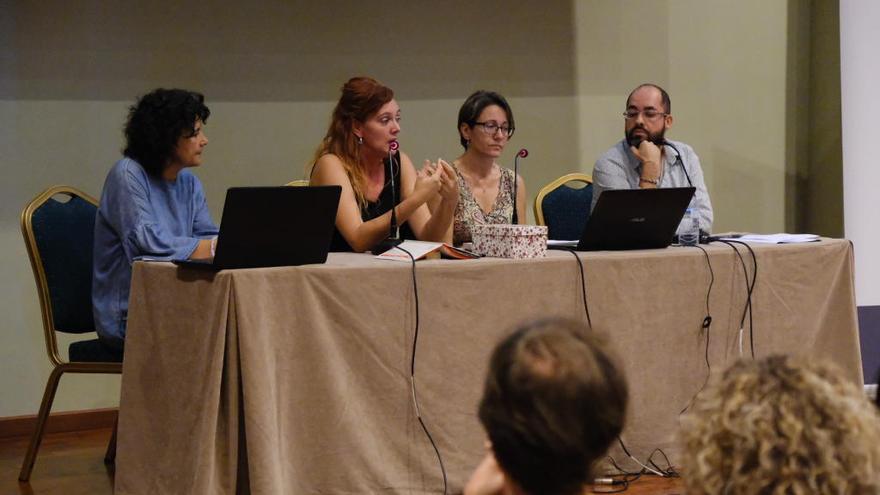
158	126
554	401
781	425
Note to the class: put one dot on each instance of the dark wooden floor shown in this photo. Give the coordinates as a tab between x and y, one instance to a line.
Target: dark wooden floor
651	485
68	463
73	464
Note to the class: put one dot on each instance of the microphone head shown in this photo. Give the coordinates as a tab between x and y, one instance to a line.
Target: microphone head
393	146
522	153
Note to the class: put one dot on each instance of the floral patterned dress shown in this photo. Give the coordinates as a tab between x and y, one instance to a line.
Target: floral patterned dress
469	213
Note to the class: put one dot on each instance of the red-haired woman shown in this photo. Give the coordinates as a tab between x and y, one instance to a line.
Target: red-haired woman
355	155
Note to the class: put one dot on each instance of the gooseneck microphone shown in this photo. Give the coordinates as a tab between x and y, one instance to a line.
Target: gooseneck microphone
679	158
393	238
704	236
519	154
394	229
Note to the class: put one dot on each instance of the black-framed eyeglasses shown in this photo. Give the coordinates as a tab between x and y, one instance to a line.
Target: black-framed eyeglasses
492	127
650	114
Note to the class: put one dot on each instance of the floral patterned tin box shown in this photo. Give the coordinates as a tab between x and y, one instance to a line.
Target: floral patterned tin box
510	241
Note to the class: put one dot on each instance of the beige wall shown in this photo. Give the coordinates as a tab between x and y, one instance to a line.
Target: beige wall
271	73
724	66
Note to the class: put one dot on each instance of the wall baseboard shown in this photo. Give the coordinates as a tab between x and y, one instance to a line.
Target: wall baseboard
19	426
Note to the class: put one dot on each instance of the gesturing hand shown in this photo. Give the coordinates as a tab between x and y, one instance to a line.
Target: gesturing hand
428	182
488	478
448	181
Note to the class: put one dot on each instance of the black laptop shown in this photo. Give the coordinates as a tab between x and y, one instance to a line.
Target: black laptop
274	226
635	219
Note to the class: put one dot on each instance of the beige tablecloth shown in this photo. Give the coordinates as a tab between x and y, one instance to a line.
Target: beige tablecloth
296	379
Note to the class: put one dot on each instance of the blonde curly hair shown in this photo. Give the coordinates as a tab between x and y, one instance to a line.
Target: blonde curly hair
781	425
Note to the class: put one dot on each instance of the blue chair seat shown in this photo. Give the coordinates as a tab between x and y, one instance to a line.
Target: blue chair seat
93	351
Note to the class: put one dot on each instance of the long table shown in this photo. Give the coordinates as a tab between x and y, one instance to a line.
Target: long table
297	379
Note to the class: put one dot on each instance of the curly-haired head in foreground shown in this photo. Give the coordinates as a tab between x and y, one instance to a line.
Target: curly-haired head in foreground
781	425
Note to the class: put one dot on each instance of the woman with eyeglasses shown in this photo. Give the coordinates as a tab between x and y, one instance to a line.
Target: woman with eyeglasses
485	124
355	154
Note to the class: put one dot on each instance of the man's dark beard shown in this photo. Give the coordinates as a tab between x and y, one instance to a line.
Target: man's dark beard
657	138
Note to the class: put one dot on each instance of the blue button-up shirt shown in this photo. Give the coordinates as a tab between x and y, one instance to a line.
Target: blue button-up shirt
618	168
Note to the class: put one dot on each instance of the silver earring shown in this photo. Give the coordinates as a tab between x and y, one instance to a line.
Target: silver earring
360	140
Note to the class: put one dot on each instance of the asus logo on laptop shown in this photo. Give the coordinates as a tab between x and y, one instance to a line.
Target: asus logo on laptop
635	218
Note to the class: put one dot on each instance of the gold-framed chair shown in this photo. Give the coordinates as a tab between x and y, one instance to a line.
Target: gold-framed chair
298	183
565	209
59	236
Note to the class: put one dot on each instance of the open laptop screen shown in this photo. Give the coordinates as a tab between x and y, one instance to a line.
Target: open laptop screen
275	226
635	218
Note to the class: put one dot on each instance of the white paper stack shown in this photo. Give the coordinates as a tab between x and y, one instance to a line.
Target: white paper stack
775	238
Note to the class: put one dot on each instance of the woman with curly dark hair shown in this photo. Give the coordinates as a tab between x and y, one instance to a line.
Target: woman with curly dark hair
151	206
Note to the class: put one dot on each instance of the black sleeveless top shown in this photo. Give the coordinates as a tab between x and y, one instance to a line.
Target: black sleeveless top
378	208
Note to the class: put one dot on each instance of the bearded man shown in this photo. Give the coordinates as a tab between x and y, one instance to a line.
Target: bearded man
646	159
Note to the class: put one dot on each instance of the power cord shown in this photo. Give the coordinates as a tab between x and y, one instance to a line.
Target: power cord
412	373
669	470
705	327
622	484
751	291
612	484
644	466
750	287
651	466
583	284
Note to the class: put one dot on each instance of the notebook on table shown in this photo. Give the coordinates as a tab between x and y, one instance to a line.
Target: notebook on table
274	226
635	219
